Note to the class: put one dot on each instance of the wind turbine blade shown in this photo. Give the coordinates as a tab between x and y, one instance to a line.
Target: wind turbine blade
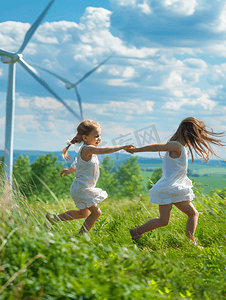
6	53
57	76
79	102
33	28
35	74
93	70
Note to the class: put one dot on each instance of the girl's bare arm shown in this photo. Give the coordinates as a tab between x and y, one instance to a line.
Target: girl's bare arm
67	171
89	150
169	146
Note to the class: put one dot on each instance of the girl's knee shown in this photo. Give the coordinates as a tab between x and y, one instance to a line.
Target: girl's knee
195	214
165	222
96	212
99	212
84	213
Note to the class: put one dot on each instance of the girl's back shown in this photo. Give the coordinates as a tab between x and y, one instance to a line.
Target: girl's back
175	167
174	185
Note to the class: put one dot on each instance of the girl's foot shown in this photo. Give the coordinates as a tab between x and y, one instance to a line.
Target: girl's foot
51	218
135	235
195	243
191	237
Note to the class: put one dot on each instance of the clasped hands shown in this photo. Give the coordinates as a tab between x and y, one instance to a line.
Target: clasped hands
130	149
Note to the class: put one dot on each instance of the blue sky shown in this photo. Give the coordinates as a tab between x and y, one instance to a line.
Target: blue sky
169	63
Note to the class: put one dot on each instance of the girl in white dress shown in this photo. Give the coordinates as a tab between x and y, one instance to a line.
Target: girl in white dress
86	168
175	187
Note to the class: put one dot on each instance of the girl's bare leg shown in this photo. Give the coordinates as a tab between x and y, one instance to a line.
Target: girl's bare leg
163	220
90	221
72	215
188	208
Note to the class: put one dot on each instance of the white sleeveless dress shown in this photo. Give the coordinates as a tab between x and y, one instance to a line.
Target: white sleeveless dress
174	185
83	190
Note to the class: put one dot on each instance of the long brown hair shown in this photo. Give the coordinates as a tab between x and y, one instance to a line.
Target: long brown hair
84	128
195	134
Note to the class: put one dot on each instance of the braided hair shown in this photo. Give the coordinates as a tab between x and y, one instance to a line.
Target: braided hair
84	128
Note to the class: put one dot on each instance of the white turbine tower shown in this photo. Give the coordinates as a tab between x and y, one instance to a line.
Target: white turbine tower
11	58
70	85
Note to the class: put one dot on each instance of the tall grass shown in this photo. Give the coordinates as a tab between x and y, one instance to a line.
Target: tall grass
57	263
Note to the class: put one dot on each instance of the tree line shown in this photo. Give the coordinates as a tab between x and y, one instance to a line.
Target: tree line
41	179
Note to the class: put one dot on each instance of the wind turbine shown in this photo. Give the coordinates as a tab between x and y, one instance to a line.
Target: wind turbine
70	85
11	58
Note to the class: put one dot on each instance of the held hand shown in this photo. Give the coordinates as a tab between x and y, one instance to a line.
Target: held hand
129	148
64	171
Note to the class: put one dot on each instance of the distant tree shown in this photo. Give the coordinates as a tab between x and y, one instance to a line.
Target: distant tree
107	164
130	180
107	180
156	175
46	169
189	173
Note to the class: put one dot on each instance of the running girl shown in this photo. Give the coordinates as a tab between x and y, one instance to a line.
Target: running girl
86	167
175	187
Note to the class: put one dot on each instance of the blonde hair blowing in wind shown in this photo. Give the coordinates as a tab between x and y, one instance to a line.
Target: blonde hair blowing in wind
84	128
194	132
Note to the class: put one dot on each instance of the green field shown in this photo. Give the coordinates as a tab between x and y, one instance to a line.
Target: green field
104	264
146	175
213	170
215	177
214	182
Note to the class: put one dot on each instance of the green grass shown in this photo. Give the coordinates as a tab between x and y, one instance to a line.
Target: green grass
37	263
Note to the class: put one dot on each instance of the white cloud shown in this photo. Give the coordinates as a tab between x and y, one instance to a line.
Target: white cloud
114	71
125	72
12	35
126	2
173	81
201	102
23	102
46	40
217	74
195	63
145	8
129	72
221	26
23	123
142	5
41	103
135	106
95	18
46	103
121	82
218	49
1	72
183	7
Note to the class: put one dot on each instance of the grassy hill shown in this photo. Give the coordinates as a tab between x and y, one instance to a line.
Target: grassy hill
59	264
